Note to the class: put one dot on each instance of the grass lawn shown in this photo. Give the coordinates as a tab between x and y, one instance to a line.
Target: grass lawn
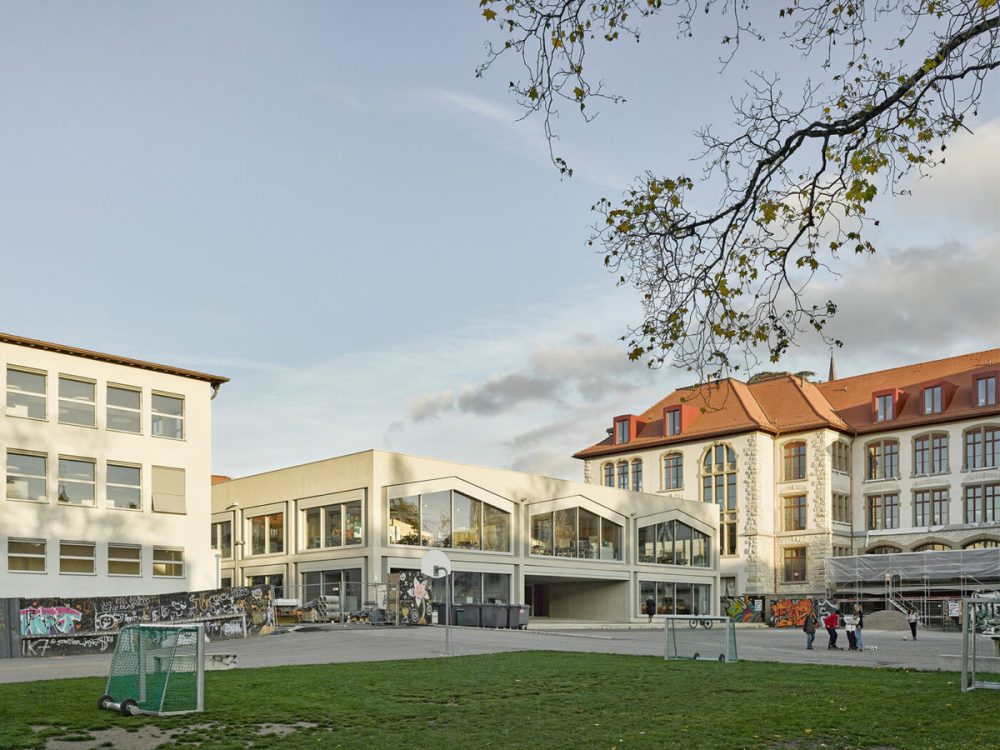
537	700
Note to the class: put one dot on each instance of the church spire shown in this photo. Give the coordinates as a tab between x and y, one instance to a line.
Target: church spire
833	367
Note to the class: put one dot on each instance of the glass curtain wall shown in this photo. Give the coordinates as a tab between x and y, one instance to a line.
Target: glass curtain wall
675	598
673	543
345	583
576	532
448	519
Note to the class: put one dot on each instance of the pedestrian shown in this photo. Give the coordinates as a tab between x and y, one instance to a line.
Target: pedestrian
650	608
809	628
830	622
850	623
859	615
912	619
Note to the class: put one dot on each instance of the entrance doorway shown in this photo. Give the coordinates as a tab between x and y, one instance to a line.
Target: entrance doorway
537	595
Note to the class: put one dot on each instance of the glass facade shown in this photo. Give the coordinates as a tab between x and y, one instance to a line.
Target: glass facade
673	543
448	519
334	525
675	598
576	532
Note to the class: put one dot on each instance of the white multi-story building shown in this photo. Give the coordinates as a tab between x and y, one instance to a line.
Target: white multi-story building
107	465
900	460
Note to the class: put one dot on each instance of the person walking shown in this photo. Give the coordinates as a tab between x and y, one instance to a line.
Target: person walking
650	608
830	622
850	623
912	619
809	628
859	615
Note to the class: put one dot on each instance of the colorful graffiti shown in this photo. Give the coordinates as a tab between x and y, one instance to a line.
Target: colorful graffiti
791	613
744	608
414	598
49	620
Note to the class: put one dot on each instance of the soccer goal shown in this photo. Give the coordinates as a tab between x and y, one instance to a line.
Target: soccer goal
157	669
980	644
699	637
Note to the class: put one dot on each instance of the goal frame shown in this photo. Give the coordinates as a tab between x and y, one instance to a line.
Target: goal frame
690	623
970	678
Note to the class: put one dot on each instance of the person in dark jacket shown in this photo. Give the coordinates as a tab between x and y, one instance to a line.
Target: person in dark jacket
650	608
830	622
809	628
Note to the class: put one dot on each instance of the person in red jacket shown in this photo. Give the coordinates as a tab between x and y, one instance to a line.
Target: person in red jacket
830	622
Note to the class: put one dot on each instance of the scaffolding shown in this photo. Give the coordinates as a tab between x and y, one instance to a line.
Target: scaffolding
933	583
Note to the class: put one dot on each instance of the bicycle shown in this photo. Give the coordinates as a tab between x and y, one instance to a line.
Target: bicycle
694	623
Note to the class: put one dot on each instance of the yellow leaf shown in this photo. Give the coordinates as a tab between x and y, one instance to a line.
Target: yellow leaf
489	14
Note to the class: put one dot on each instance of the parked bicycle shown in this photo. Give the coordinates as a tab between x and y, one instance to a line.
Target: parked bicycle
694	623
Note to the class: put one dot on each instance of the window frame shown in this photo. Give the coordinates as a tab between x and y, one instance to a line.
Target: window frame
44	395
798	557
931	454
635	467
877	511
986	505
109	407
608	470
885	407
985	442
840	452
841	507
933	400
795	508
154	413
880	465
108	484
92	558
267	538
170	563
43	555
44	476
216	536
112	548
794	463
91	483
986	390
670	472
931	506
622	475
718	472
674	426
92	404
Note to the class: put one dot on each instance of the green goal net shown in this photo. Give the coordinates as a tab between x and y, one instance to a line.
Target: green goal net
157	669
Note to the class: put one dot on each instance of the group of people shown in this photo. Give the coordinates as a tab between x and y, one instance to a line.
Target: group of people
854	623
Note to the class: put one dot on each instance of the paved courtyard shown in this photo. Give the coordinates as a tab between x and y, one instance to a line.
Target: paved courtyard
333	643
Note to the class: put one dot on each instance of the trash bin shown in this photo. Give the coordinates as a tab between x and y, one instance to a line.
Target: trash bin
517	615
458	615
494	615
473	615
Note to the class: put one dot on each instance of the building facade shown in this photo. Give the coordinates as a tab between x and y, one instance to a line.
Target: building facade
570	550
900	460
106	473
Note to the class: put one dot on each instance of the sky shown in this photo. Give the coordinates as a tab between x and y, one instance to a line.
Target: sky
320	201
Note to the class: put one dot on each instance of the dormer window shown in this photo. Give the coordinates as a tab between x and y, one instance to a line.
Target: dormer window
621	431
673	418
932	400
986	391
883	408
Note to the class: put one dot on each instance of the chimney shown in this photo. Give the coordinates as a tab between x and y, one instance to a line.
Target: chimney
833	367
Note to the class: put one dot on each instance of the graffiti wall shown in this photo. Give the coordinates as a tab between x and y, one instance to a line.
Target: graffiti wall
791	613
744	608
414	598
52	627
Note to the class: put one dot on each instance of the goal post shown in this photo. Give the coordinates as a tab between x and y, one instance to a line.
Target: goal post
980	643
699	637
157	669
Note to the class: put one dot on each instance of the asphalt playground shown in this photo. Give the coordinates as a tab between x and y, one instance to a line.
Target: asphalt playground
333	643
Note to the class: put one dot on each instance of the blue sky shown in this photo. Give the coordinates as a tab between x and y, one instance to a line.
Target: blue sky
321	201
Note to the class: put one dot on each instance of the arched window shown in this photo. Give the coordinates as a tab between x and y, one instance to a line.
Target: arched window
794	461
609	474
930	453
982	544
623	475
883	549
718	478
883	459
673	471
841	451
637	474
982	447
932	547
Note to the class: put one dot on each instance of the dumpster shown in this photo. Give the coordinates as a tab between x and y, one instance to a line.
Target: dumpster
473	615
517	615
494	615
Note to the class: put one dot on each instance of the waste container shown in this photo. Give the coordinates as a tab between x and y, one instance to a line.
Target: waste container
494	615
517	615
473	615
458	615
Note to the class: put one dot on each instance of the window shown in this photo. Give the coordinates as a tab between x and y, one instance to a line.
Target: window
623	475
930	507
932	547
674	422
609	475
76	481
718	478
883	549
449	519
76	402
932	400
25	476
25	394
842	457
986	390
930	454
795	564
76	558
841	551
637	475
841	508
168	416
883	459
26	555
124	560
673	543
169	495
339	524
883	408
222	538
124	486
168	563
982	503
673	471
124	409
275	580
982	446
795	461
675	598
576	532
883	511
621	431
267	534
982	544
795	513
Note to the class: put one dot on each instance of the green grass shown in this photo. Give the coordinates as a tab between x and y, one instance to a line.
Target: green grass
541	700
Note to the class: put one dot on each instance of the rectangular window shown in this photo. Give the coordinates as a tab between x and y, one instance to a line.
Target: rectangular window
982	447
623	475
76	481
795	461
169	490
986	391
26	555
795	513
267	534
922	508
842	457
841	508
496	529
222	538
982	503
25	476
883	460
673	473
404	520
541	534
674	422
168	563
77	558
124	560
76	402
467	522
124	413
609	475
795	564
124	486
932	400
621	431
637	476
25	394
883	511
167	416
883	408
